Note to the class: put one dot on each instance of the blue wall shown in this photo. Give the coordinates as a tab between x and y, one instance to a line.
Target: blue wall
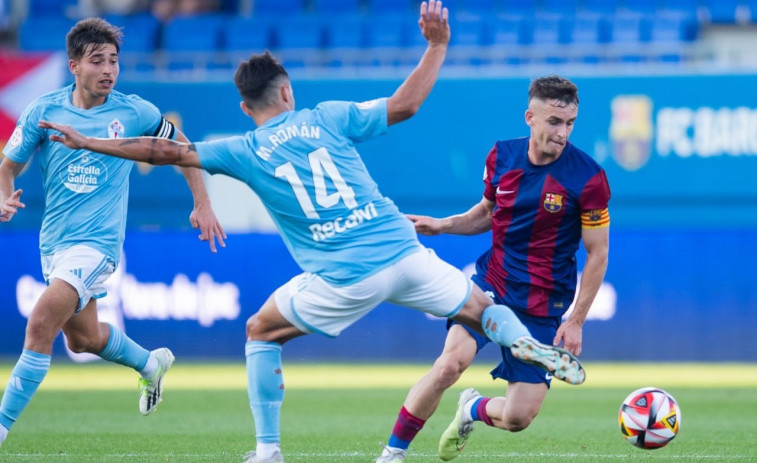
681	157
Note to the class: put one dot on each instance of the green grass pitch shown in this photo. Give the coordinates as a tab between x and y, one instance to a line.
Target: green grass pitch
340	413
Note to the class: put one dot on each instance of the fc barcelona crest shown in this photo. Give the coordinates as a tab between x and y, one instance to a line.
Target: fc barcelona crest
116	129
553	202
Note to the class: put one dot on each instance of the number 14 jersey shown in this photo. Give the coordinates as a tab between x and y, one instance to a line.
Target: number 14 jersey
304	167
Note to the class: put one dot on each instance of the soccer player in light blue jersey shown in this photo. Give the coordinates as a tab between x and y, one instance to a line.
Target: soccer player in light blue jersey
85	217
356	249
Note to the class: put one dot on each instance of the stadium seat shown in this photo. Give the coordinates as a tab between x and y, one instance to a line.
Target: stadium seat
468	31
559	7
646	7
519	7
346	32
336	6
278	7
200	33
547	30
381	7
586	29
627	29
248	34
683	7
299	32
49	8
46	33
140	32
508	30
723	11
478	7
385	30
605	7
672	29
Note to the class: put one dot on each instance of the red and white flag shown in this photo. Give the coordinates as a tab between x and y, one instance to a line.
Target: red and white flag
22	79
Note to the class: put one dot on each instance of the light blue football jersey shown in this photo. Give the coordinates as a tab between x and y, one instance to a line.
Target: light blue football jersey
306	170
86	193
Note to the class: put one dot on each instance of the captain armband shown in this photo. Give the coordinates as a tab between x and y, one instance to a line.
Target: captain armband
597	218
165	129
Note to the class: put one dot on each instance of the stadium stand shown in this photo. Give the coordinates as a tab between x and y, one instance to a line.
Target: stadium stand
356	33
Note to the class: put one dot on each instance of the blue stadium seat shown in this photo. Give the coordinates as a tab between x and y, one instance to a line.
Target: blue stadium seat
193	33
627	29
140	32
49	8
547	30
475	6
250	34
560	7
299	32
278	7
390	6
672	28
509	30
685	7
336	6
469	31
648	7
46	33
519	7
722	11
586	30
607	7
345	32
385	30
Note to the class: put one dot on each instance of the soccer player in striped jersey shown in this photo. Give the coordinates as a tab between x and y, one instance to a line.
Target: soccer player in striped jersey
85	217
355	247
542	196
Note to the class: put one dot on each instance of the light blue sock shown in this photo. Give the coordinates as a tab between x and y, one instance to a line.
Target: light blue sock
265	387
502	326
26	376
123	351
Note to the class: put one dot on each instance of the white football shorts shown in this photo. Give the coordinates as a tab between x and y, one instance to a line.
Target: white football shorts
83	267
420	281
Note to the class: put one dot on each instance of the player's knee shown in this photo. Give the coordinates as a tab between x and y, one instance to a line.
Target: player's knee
519	420
257	329
448	370
79	344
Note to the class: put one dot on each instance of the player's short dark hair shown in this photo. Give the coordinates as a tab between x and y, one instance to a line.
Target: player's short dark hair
258	78
92	31
554	88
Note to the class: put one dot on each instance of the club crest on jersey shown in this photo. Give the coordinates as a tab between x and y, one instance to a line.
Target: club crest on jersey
116	129
553	202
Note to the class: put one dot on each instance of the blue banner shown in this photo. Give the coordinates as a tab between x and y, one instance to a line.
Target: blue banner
686	296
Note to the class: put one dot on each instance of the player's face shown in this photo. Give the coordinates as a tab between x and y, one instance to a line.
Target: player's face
96	72
551	124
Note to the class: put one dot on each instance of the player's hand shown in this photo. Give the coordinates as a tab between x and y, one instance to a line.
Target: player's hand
570	334
70	138
204	218
11	205
433	23
426	225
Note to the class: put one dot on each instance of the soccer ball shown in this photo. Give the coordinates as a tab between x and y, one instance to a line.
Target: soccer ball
649	418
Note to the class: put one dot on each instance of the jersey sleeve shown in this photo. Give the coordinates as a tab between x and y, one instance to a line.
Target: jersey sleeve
489	169
151	121
26	137
594	201
356	121
229	156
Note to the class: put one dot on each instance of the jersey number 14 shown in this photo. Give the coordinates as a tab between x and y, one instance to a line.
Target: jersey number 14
321	165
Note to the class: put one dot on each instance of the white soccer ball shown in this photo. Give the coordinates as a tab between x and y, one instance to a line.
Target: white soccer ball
649	418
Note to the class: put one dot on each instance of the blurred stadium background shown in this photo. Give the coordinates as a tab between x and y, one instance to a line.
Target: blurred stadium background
668	107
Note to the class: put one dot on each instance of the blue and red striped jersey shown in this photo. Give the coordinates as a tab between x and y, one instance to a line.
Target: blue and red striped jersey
537	220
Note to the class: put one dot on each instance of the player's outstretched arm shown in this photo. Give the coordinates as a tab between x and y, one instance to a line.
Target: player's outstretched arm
157	151
413	92
477	219
10	200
